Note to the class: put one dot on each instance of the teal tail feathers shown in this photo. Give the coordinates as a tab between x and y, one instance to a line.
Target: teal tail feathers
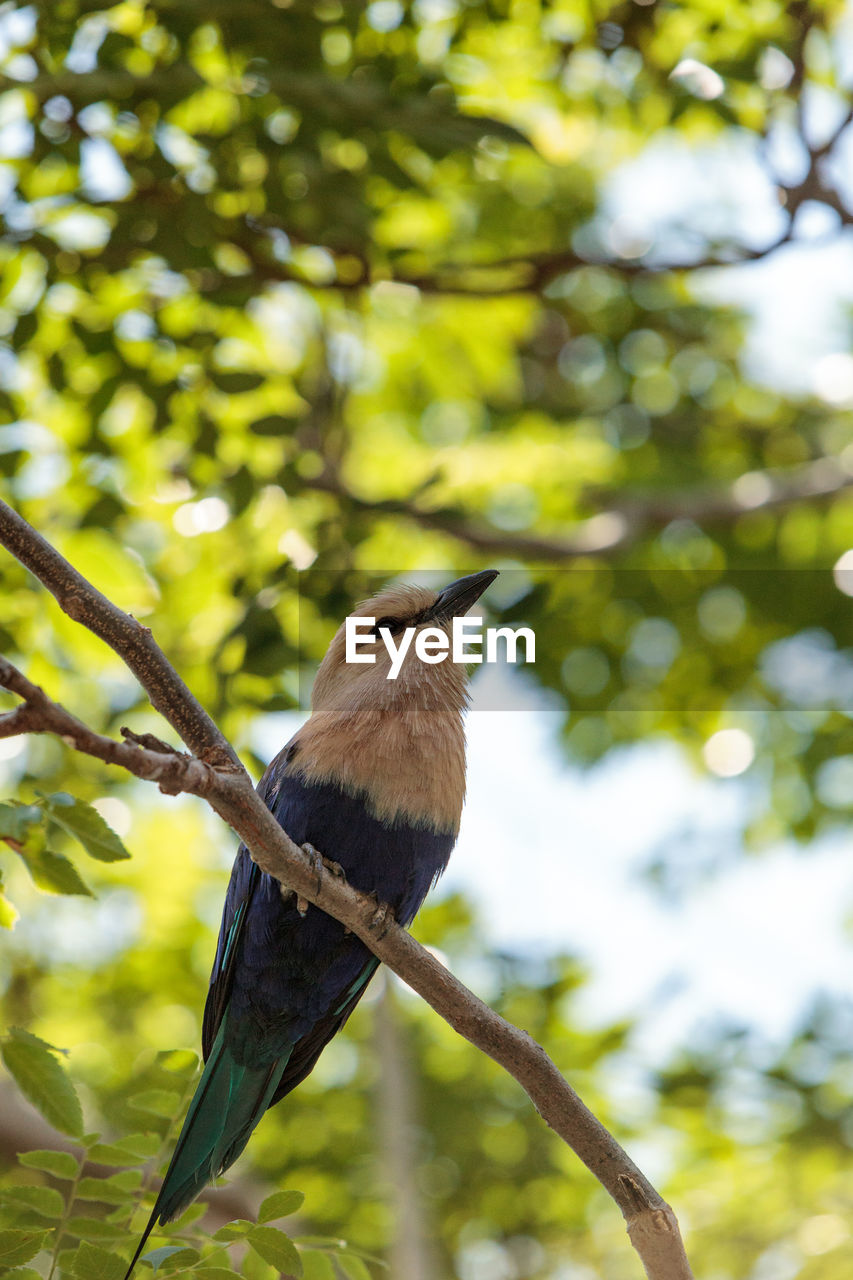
230	1099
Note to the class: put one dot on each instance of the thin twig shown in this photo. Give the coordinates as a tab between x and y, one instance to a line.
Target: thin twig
173	773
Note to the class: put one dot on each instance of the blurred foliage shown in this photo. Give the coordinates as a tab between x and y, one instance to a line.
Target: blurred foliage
25	829
753	1139
346	286
65	1219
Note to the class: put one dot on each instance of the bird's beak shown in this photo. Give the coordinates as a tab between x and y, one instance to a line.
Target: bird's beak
457	599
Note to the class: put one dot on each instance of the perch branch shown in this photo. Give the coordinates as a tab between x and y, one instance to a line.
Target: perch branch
651	1223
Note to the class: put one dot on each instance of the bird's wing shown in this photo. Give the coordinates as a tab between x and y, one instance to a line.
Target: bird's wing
246	875
308	1049
244	881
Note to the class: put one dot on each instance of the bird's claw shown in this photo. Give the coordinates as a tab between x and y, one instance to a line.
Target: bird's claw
316	859
382	917
319	865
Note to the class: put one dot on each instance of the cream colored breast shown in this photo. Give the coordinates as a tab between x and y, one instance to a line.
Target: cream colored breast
410	765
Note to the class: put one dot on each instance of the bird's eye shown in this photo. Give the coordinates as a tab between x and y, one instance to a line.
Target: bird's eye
393	624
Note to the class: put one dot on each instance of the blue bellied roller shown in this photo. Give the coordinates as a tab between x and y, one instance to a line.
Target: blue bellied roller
375	780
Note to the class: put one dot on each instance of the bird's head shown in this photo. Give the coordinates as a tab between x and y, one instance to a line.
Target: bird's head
353	686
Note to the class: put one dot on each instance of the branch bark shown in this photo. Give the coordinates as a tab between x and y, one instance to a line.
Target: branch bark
651	1223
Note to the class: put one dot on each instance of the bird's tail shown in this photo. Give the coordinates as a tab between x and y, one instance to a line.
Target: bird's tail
230	1099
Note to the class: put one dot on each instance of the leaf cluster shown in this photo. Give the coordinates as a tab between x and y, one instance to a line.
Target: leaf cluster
26	828
86	1200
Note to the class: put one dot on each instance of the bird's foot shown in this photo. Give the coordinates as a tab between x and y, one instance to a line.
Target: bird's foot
316	859
317	866
382	917
335	869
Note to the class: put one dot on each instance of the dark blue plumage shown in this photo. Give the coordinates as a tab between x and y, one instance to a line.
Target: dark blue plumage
375	782
291	972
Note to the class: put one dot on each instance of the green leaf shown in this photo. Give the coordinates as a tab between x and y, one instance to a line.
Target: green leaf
22	1273
80	820
61	1164
213	1273
191	1215
90	1262
42	1200
159	1102
178	1253
276	1248
354	1267
126	1180
178	1062
235	1230
42	1080
317	1266
19	1246
85	1228
15	820
135	1149
280	1204
112	1190
55	874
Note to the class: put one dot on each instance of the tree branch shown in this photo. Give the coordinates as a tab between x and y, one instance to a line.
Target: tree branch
173	772
620	524
512	276
651	1223
128	638
515	274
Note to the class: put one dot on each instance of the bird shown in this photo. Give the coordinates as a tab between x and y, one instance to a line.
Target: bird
374	781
